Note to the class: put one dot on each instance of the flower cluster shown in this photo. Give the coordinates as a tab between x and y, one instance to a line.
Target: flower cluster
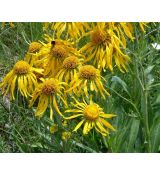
63	74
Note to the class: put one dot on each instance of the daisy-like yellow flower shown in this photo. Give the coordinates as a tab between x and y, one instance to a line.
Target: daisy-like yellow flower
22	75
88	79
74	30
48	93
100	48
33	49
70	67
92	116
56	50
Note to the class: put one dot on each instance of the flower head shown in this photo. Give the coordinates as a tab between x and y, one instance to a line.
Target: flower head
99	51
21	68
69	69
34	47
97	37
70	62
59	52
49	92
88	80
91	112
32	55
92	116
23	76
88	72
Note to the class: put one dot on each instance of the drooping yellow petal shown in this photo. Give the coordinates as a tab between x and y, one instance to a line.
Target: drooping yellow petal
85	128
73	116
42	105
56	106
102	129
51	110
78	125
107	115
108	125
74	110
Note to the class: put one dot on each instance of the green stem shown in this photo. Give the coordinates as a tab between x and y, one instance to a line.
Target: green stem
134	106
146	121
4	107
144	107
107	144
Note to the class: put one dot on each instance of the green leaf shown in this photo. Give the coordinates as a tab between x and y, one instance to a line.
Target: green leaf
119	142
148	70
121	82
148	75
133	135
84	147
157	99
155	136
36	145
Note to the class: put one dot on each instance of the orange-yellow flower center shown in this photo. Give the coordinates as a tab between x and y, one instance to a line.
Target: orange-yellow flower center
34	47
59	52
88	72
97	37
21	68
50	87
70	62
91	112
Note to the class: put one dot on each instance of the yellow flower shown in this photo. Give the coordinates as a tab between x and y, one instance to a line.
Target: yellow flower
99	50
23	75
66	135
91	116
69	69
73	29
88	79
33	49
56	50
49	92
